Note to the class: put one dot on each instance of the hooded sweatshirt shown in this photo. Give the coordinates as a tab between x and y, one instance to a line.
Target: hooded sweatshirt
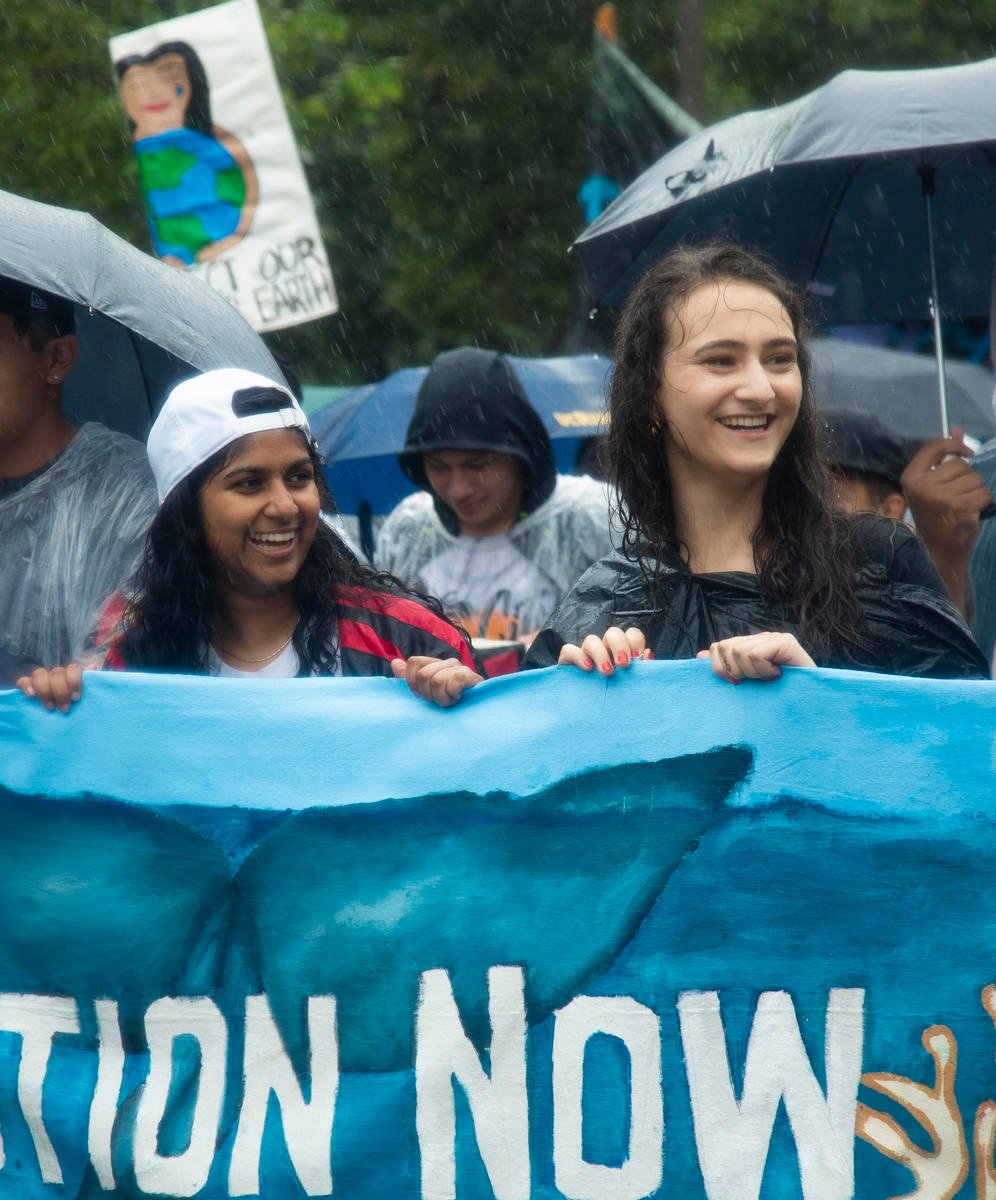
504	585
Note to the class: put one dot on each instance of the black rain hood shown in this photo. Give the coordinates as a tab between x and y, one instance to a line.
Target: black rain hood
473	400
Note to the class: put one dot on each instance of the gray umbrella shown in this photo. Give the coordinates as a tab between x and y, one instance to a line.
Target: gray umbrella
142	325
877	191
901	389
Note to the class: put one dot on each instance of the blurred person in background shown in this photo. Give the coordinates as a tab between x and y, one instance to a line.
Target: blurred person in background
982	565
74	503
877	471
495	533
866	461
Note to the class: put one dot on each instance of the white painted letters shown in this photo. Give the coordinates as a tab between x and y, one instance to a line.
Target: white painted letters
37	1019
307	1125
498	1104
103	1109
732	1136
182	1174
176	1131
639	1029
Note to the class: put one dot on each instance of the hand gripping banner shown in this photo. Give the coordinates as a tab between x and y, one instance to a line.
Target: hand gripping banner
650	936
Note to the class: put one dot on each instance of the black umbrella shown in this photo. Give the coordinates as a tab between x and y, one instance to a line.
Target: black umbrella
901	389
142	326
877	191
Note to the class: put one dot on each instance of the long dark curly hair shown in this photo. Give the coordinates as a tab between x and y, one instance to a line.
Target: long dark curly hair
803	547
169	618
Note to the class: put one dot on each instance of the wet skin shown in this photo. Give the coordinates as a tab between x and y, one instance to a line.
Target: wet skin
260	513
483	489
731	385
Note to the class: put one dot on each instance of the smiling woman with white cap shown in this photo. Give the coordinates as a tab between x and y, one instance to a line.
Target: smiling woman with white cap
241	576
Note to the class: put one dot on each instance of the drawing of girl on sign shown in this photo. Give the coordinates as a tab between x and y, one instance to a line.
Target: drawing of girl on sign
199	182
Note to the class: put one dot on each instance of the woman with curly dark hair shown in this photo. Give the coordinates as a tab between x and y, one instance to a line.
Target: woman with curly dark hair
242	575
732	549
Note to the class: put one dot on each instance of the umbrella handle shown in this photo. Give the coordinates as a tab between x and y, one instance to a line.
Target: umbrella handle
927	174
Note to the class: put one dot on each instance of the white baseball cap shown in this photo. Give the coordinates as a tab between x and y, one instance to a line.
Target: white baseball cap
207	413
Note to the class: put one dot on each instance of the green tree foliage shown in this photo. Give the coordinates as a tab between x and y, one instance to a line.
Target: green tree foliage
761	52
444	141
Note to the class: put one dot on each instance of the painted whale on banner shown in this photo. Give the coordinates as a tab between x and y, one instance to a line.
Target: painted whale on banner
116	900
748	928
365	918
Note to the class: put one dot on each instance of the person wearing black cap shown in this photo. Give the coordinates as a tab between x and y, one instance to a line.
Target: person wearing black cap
878	471
74	503
867	461
496	533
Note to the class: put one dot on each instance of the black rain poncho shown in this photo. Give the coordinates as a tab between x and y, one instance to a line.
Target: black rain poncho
911	626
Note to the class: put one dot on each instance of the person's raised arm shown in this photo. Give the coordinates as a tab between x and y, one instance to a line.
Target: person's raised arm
945	497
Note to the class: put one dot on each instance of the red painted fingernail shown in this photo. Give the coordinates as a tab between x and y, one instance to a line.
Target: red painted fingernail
648	654
589	665
606	668
622	658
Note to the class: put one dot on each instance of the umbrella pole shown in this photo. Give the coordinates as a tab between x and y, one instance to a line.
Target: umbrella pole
927	179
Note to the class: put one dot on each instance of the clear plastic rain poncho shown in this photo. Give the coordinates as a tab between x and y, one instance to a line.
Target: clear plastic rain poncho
504	586
68	539
561	538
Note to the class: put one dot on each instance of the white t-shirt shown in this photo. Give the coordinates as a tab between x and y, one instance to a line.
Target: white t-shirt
490	583
285	666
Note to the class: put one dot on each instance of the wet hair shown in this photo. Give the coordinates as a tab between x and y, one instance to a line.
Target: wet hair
879	488
35	313
802	547
198	111
170	616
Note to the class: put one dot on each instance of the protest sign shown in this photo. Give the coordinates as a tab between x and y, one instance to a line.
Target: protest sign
225	194
647	936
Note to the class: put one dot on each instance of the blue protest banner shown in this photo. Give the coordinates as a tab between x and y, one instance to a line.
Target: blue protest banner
604	940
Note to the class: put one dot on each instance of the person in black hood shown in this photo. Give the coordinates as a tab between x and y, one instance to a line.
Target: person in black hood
866	461
472	401
495	533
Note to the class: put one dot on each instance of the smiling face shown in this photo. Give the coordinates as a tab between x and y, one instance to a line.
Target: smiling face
156	95
731	385
483	489
260	512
